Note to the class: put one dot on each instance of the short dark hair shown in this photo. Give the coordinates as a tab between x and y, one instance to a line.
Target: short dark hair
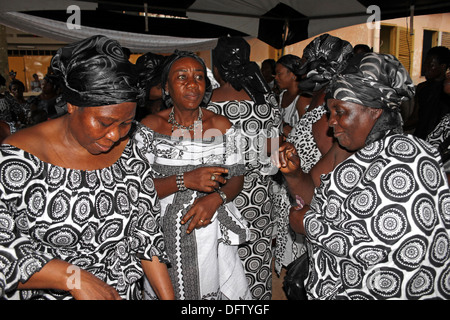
441	53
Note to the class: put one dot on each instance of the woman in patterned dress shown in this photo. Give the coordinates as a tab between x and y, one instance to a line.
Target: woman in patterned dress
79	214
245	99
198	172
378	226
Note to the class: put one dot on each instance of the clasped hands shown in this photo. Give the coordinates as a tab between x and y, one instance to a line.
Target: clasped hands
207	180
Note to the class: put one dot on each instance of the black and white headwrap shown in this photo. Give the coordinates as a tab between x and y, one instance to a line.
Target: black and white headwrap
95	72
325	56
375	81
177	55
231	56
149	67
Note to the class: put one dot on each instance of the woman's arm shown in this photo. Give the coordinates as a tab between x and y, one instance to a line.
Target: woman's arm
158	276
61	275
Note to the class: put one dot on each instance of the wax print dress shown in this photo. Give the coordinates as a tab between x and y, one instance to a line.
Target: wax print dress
205	264
103	221
379	225
256	122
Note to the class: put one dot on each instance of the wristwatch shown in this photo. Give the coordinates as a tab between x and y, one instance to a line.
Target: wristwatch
223	196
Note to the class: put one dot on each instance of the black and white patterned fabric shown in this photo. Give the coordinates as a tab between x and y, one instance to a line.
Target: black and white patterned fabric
103	221
205	264
379	225
257	122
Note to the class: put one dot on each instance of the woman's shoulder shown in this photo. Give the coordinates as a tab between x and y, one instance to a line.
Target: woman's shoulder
215	120
32	138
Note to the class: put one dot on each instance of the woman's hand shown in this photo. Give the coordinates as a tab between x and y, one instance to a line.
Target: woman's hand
92	288
205	179
202	211
289	161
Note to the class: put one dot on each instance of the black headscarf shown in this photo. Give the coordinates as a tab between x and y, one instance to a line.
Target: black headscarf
149	67
165	74
231	56
375	81
325	56
291	62
95	72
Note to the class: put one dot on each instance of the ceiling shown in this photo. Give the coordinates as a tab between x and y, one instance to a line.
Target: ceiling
277	23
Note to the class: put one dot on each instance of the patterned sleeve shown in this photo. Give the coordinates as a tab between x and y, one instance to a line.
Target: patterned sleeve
19	259
148	232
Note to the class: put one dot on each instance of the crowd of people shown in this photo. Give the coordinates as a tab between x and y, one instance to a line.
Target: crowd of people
165	180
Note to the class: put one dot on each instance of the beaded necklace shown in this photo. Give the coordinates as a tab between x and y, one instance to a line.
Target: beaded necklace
193	127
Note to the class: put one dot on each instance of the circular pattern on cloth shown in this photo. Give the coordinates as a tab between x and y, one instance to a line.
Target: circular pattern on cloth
59	206
252	127
83	209
15	174
402	148
363	202
398	183
440	248
421	283
74	180
352	274
36	200
424	214
385	283
262	111
429	175
444	206
333	209
390	223
65	236
374	170
103	204
370	256
411	253
348	175
370	152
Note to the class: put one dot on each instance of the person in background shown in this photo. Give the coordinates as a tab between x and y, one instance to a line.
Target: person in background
431	103
46	101
287	79
246	100
18	108
377	226
150	67
194	154
361	49
36	84
268	72
78	208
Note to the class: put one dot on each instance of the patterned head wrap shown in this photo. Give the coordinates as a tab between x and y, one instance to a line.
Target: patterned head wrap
376	81
165	74
149	67
95	72
291	62
325	56
231	56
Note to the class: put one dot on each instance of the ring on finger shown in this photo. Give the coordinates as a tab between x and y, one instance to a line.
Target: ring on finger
213	177
201	220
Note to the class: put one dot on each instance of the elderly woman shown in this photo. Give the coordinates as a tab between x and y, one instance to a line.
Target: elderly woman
378	224
245	98
78	209
198	172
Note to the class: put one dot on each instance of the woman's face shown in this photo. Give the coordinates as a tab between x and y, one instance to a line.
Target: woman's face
283	76
351	122
186	83
98	129
16	91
